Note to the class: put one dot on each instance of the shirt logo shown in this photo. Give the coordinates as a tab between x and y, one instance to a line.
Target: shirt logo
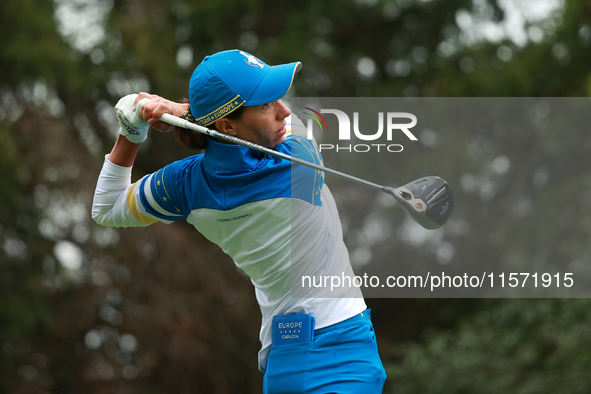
223	220
251	60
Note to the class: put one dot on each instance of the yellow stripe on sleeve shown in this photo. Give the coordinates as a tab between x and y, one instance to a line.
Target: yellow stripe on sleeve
133	209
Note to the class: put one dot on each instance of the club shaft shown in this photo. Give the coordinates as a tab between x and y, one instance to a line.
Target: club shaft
179	122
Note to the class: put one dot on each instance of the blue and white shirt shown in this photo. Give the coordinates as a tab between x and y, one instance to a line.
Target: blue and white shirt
277	220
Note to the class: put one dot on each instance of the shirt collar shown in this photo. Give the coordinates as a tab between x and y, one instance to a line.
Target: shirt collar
231	157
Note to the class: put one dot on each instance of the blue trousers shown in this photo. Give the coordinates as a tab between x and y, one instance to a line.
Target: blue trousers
343	359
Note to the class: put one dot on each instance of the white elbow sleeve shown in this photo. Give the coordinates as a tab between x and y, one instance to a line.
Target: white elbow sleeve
109	206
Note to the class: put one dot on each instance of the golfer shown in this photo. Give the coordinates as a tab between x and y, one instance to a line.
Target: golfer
278	221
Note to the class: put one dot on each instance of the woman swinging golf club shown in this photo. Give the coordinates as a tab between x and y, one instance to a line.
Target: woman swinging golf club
277	221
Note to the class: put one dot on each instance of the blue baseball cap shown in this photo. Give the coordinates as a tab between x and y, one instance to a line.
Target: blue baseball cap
226	80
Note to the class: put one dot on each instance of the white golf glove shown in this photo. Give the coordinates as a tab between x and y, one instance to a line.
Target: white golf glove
131	125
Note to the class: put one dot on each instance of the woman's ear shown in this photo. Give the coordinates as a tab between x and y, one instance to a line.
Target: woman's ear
226	126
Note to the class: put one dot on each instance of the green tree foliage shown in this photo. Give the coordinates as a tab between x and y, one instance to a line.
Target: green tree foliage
31	53
517	346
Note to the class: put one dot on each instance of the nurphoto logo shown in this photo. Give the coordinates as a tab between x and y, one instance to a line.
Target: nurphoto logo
394	124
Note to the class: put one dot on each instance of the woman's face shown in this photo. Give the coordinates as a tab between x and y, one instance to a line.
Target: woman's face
261	124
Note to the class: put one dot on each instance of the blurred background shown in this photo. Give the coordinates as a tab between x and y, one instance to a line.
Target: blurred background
87	309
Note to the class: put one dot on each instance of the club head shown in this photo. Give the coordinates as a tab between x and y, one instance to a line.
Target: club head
428	200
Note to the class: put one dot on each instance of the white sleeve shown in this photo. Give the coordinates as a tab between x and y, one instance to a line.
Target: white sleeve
110	204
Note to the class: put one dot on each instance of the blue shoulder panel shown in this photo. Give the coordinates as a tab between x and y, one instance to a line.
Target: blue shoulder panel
159	197
306	182
194	183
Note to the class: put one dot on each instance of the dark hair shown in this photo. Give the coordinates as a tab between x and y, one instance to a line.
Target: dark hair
196	140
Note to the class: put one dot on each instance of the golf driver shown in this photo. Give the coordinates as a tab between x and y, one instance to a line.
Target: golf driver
428	200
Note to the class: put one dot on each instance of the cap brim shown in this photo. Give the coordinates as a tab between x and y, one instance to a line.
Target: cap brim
274	84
